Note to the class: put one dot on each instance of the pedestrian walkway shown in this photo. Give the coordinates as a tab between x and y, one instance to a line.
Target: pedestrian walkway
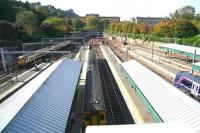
78	109
136	107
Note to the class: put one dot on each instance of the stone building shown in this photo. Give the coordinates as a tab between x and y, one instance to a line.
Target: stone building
150	21
111	19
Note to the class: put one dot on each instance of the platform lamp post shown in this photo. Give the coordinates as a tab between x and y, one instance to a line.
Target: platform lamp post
193	59
152	50
142	39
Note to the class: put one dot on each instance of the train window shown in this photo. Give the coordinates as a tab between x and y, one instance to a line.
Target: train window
177	77
186	83
101	116
87	117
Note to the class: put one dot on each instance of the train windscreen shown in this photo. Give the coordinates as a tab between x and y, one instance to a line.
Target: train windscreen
186	83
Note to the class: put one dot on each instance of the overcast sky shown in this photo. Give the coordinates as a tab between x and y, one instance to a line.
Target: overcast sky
122	8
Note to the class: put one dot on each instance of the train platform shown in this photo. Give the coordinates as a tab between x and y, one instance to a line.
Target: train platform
171	62
44	104
9	87
78	109
138	111
164	101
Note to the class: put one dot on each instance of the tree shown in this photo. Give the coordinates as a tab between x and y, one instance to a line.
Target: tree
77	25
187	10
104	24
7	10
41	14
7	30
184	29
185	13
143	28
127	27
54	26
28	20
92	22
164	29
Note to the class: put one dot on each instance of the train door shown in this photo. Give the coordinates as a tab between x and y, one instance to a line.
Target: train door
195	90
94	119
102	118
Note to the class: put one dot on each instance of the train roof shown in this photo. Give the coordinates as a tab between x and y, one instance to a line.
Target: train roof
166	101
190	76
45	102
93	99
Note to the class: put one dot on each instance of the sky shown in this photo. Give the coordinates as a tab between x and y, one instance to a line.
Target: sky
125	9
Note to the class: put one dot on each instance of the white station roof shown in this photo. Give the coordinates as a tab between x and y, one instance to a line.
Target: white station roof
170	103
141	128
183	48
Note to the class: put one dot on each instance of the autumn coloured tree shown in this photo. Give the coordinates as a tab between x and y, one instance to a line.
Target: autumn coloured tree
164	29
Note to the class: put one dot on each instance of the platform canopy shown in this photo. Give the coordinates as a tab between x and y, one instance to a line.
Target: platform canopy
168	102
48	110
196	66
181	49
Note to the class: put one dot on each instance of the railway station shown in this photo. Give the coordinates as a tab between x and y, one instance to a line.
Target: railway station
97	83
44	104
65	72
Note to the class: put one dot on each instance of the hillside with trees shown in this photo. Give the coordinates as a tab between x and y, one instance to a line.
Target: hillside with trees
26	22
183	26
29	22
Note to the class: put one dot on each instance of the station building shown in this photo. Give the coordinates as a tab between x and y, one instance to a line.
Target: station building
150	21
111	19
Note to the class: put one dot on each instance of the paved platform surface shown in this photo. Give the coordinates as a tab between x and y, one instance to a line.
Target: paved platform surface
140	113
78	109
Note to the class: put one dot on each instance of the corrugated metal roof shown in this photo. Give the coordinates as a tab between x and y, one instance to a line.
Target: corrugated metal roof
182	48
171	104
49	108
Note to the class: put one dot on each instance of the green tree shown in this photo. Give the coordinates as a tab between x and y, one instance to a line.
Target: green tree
41	14
92	23
77	25
7	10
184	13
184	29
187	10
28	20
54	26
104	24
7	30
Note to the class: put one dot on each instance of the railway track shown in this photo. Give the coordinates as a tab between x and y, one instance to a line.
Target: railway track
117	110
162	74
8	84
